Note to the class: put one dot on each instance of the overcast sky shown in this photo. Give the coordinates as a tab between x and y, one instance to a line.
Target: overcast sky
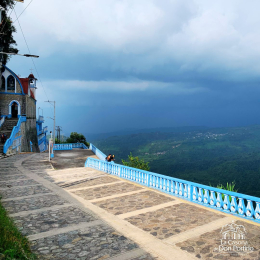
118	64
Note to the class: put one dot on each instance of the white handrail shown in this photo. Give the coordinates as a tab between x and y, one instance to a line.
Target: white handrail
2	121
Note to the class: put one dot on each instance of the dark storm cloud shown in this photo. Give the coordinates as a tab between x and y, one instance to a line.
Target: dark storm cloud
149	63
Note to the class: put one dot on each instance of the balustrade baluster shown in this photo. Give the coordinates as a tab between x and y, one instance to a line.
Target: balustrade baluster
233	204
206	196
194	194
164	185
186	190
176	188
156	182
219	201
172	186
200	196
168	185
241	207
212	199
257	212
249	209
226	203
181	190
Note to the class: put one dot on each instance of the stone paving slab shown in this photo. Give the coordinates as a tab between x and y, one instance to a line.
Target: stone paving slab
145	257
12	177
92	182
8	171
18	183
36	164
133	202
71	159
57	233
211	245
23	191
106	191
173	220
15	206
97	242
51	220
70	177
53	176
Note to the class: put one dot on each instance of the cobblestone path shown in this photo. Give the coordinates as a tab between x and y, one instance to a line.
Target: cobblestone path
81	213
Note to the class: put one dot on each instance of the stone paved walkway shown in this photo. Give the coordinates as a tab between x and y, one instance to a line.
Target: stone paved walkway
81	213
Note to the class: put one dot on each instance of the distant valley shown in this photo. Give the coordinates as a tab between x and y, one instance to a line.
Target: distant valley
204	155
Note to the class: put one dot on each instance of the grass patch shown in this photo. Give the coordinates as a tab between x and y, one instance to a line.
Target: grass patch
13	245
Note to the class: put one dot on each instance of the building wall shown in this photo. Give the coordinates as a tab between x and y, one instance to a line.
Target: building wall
29	133
27	107
30	108
5	100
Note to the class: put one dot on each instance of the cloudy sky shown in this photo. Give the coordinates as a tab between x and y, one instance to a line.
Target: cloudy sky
119	64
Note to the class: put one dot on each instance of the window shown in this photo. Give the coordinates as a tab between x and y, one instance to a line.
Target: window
3	84
10	83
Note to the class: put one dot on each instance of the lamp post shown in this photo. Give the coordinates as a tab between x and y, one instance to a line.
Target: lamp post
39	112
25	55
53	120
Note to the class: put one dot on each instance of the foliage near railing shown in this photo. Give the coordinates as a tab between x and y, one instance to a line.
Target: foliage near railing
16	134
97	152
241	205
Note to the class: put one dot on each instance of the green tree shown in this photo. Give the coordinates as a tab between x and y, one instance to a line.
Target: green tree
135	162
7	41
77	138
229	187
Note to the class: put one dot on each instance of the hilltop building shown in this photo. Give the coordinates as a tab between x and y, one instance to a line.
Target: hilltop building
18	114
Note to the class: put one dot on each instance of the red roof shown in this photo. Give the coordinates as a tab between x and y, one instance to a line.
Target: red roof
25	84
31	76
32	94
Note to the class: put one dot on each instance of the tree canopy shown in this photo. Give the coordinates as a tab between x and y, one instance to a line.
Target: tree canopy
135	162
7	42
77	138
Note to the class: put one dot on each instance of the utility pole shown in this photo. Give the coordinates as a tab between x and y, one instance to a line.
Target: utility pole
53	120
58	132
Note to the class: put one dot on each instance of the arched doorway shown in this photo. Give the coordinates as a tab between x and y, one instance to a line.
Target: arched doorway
14	110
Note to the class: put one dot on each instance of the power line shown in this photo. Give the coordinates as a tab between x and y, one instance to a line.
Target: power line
22	11
30	54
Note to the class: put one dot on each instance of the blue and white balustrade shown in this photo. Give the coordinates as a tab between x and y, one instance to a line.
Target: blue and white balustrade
234	203
64	147
15	138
